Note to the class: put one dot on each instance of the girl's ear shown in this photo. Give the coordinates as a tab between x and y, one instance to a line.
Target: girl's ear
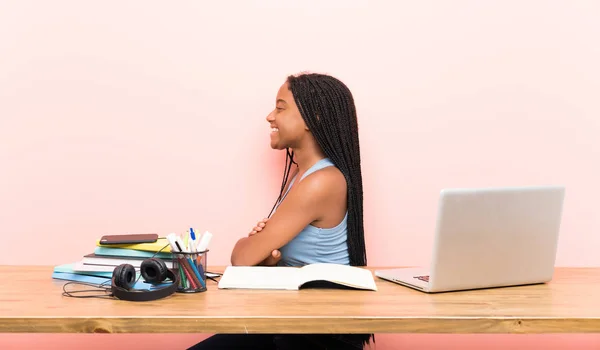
305	126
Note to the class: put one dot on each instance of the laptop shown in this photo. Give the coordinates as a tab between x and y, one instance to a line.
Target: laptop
489	237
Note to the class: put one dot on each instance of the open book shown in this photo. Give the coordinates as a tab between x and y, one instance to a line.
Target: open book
294	278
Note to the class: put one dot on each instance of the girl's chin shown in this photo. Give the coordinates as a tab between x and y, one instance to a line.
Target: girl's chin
275	144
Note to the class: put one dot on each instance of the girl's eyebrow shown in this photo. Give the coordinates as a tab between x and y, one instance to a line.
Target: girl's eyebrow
281	100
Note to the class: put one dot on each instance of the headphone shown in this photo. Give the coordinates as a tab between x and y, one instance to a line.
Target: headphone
153	271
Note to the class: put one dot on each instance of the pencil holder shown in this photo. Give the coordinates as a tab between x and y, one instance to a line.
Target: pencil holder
191	268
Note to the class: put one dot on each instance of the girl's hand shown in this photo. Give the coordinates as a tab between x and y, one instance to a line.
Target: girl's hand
259	226
275	256
273	259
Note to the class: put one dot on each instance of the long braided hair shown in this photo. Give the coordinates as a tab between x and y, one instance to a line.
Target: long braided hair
327	107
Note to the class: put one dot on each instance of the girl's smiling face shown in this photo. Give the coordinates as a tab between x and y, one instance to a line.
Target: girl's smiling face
287	126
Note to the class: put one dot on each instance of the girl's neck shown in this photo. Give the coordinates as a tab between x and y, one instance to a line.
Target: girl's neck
306	157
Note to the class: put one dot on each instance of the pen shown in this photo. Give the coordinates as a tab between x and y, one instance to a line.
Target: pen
186	268
183	264
171	237
200	278
191	279
197	258
190	266
193	243
192	246
178	246
183	279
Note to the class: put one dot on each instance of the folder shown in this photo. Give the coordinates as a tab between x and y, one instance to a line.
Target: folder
130	253
148	247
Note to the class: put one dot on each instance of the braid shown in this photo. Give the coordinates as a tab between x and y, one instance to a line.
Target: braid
327	107
288	157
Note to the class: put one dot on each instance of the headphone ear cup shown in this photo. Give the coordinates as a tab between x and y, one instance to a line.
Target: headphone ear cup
124	276
154	270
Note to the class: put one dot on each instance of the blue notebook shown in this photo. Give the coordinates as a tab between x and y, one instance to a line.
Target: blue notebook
81	278
140	284
68	268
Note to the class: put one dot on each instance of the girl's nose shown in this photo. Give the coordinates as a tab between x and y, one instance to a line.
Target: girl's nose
270	117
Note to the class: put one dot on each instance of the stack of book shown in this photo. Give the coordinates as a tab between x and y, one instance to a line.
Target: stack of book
97	267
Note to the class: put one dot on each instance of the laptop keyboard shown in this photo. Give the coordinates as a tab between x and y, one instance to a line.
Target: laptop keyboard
422	278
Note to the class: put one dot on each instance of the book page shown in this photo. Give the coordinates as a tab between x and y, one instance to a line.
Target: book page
260	277
350	276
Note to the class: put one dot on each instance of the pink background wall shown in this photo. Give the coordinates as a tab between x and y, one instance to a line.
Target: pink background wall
149	117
